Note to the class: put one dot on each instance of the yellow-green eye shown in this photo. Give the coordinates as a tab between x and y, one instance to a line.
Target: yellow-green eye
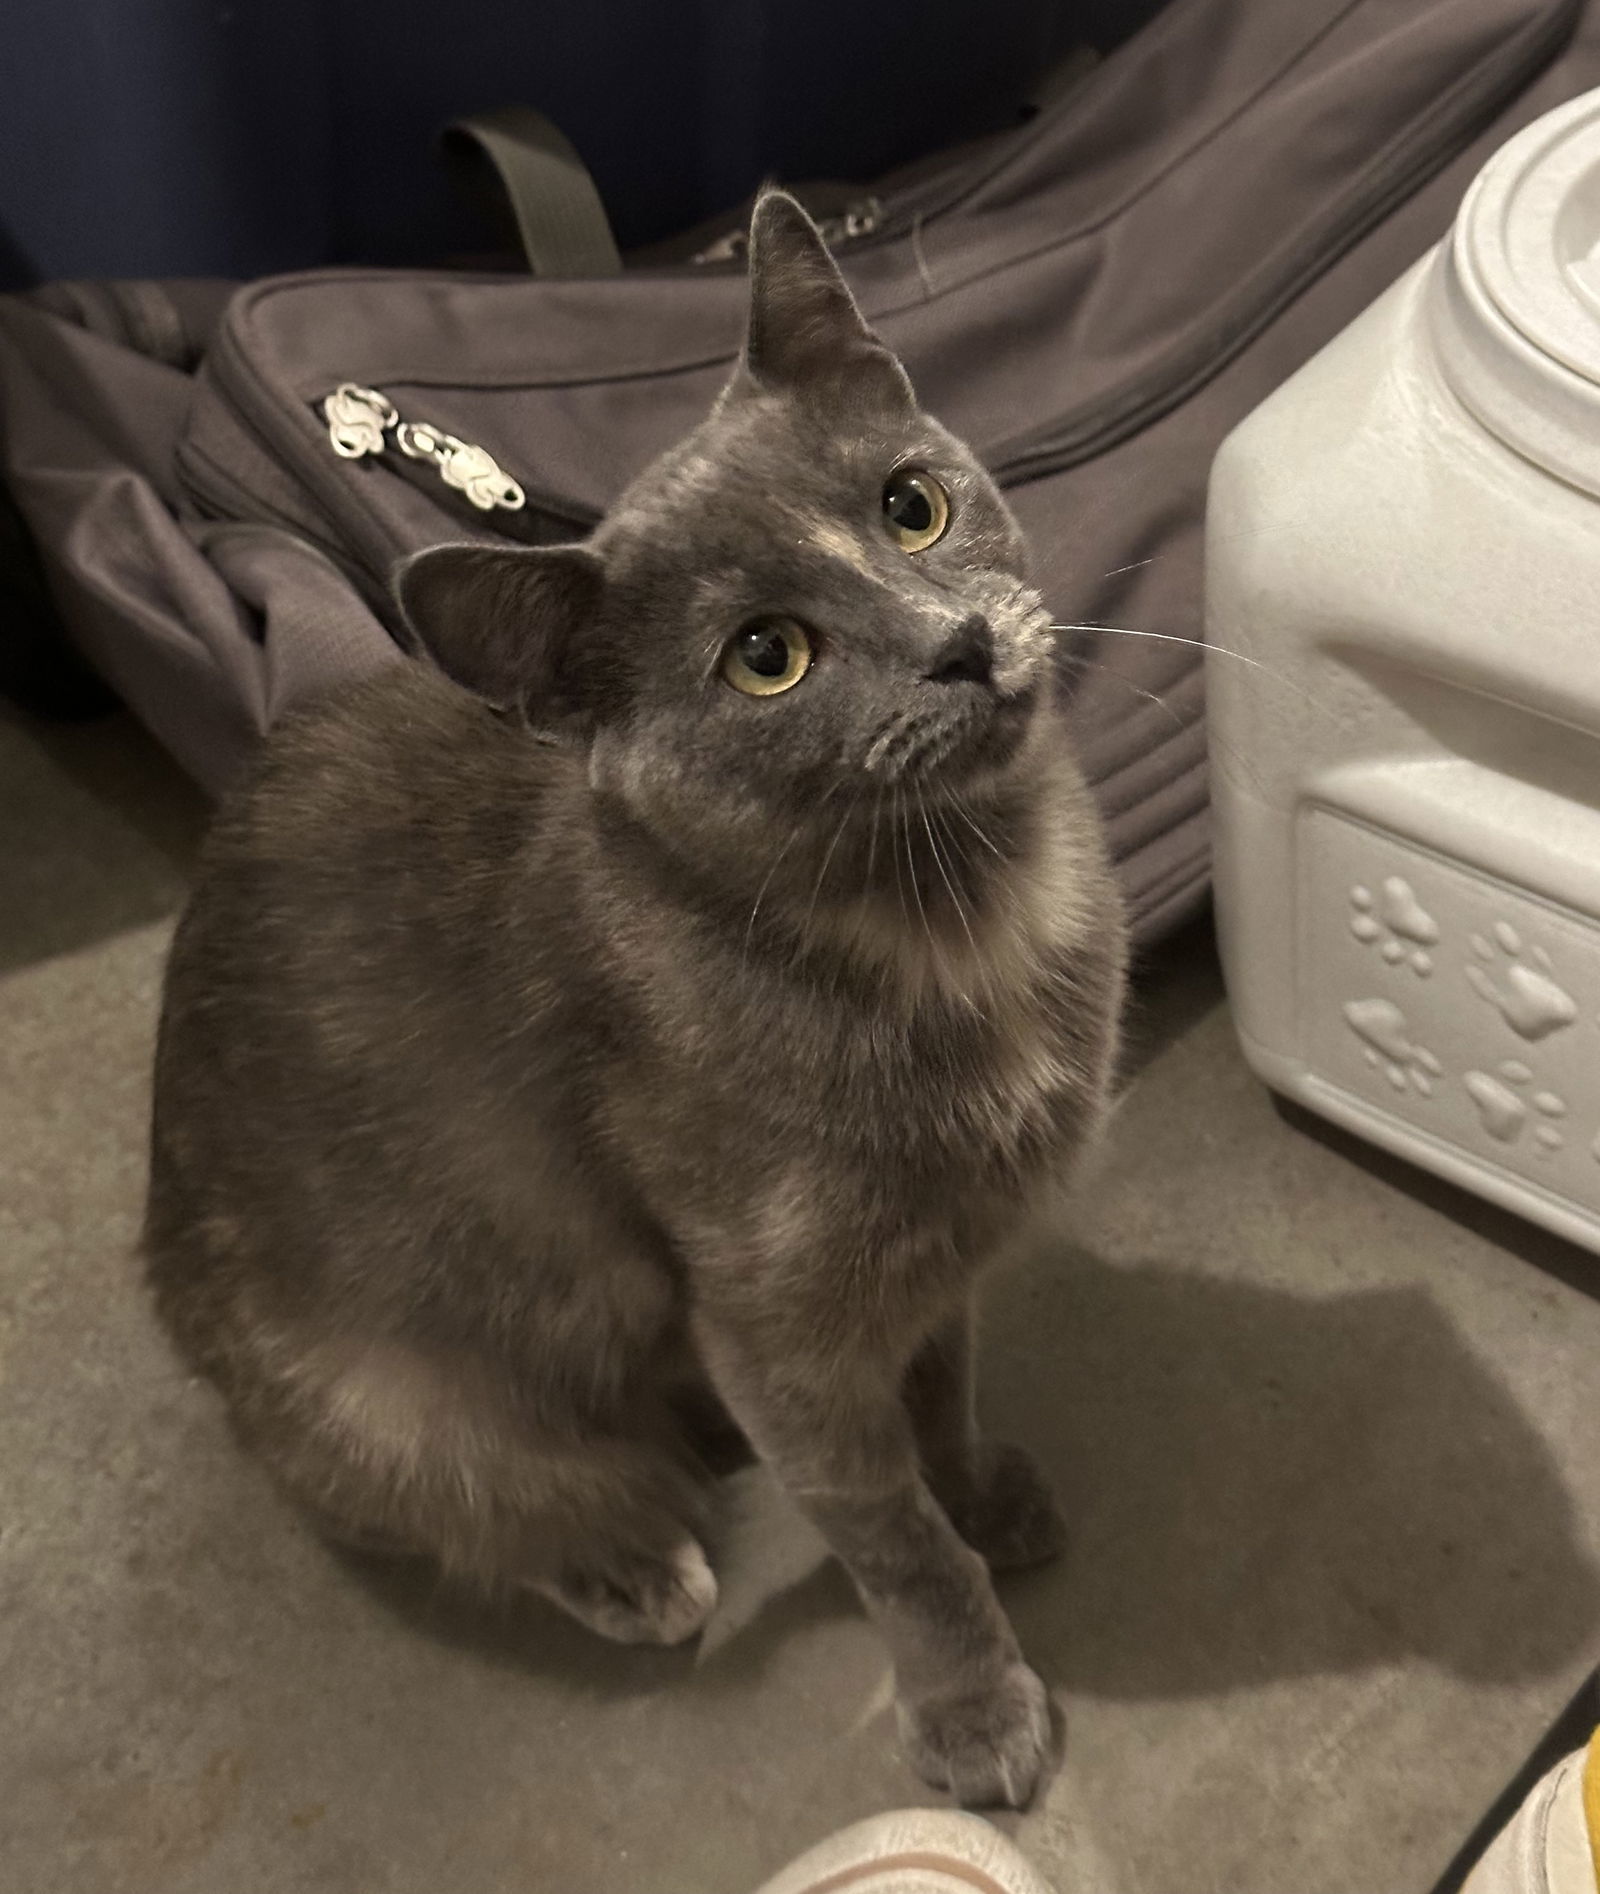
768	657
917	509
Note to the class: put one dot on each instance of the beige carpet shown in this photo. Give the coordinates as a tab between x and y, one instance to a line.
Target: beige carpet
1330	1434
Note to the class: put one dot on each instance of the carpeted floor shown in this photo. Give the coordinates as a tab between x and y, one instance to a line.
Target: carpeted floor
1329	1432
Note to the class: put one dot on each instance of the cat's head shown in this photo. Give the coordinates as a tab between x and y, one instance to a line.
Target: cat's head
816	600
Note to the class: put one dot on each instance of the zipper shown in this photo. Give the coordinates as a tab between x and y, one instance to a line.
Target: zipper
364	424
362	420
353	536
863	218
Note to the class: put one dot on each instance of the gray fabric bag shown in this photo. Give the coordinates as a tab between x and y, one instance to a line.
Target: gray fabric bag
220	479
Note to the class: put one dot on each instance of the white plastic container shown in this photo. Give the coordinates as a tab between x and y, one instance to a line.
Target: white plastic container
1404	549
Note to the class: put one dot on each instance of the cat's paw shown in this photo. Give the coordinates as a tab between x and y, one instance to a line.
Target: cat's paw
986	1747
1009	1514
646	1598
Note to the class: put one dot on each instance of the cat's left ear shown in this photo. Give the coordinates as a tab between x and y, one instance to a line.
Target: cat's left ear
507	623
806	337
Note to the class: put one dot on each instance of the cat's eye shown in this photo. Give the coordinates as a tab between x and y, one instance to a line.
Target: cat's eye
916	507
765	658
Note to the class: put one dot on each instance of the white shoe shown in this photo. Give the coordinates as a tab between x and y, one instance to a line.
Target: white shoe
1552	1844
912	1851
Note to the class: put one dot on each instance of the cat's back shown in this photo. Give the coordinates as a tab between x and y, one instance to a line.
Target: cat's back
372	1036
370	772
363	875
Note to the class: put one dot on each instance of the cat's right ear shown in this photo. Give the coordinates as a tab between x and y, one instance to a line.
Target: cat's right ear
505	621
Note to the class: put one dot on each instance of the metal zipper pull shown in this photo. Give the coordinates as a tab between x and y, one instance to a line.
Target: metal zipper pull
726	249
859	219
360	419
357	418
470	469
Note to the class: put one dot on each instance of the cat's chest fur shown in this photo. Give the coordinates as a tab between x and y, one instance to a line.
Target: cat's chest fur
910	1078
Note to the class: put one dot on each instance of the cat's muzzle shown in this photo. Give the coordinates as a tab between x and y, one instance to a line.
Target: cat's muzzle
944	745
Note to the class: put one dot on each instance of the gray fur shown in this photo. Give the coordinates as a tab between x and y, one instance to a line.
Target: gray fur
565	1054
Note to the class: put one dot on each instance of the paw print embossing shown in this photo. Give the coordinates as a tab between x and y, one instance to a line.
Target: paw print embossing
1506	1115
1387	1042
1396	923
1526	996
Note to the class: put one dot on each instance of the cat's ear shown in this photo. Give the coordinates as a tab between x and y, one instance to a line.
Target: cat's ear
806	336
505	622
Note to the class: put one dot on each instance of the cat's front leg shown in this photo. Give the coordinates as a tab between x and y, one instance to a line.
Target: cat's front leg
829	1419
996	1497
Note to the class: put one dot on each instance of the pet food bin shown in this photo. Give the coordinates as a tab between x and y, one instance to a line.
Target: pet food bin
1404	558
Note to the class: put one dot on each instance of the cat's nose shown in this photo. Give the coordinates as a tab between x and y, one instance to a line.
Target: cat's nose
968	653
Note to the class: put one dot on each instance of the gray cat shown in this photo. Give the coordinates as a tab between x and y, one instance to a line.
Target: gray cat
653	1012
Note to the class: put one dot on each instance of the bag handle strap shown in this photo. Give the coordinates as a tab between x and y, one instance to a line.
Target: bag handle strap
513	159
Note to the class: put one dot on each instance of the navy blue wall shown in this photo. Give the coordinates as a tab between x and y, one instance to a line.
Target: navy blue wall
233	137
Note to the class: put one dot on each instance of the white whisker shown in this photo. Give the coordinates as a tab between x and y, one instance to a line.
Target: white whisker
749	927
922	911
960	906
899	886
967	817
1212	740
1127	683
1198	645
944	876
1203	647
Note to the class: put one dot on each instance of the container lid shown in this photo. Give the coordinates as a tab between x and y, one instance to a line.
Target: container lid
1514	301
